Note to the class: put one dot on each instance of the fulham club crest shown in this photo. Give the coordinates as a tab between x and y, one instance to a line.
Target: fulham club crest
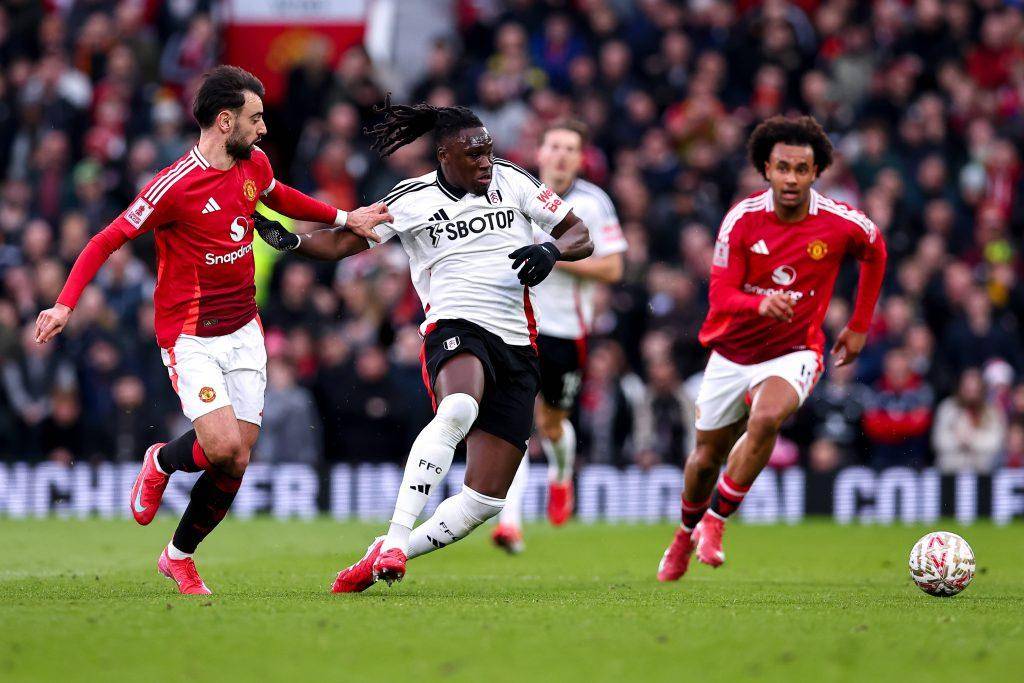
451	344
494	197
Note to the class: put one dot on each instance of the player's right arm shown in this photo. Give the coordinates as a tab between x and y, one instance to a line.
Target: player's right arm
150	209
328	244
728	269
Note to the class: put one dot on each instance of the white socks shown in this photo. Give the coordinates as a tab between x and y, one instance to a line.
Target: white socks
561	454
429	461
512	514
176	554
454	518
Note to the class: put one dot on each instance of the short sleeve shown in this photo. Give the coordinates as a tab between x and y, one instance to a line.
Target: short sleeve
267	169
607	234
404	219
538	201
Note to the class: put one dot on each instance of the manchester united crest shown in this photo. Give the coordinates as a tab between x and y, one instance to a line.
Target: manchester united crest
249	188
817	250
207	394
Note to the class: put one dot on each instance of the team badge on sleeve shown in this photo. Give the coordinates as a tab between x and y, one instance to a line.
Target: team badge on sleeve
817	250
249	188
721	257
138	212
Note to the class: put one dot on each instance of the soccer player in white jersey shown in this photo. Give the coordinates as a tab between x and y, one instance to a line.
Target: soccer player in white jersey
565	310
467	229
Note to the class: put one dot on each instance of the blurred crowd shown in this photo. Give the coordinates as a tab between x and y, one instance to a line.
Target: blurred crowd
924	101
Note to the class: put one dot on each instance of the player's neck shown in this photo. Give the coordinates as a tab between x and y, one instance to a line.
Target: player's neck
792	214
215	152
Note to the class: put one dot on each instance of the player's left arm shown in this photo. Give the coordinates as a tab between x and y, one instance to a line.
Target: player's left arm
328	244
869	249
572	243
607	263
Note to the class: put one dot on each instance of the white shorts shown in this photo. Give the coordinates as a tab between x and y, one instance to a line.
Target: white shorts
209	373
722	398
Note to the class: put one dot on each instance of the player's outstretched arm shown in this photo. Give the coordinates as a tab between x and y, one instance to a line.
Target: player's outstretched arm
292	203
52	321
329	244
572	243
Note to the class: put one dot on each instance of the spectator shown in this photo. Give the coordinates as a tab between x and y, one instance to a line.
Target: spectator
291	427
898	414
969	430
663	425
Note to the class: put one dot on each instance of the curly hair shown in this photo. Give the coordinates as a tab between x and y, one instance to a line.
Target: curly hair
404	123
801	130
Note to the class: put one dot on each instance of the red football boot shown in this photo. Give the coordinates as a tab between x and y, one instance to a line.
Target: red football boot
359	576
183	573
707	537
509	538
389	566
676	559
560	502
148	490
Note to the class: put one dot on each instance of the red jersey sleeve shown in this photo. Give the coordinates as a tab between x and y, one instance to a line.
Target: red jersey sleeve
728	268
868	248
151	208
289	201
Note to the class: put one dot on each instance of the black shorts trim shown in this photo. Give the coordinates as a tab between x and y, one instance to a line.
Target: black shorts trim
512	376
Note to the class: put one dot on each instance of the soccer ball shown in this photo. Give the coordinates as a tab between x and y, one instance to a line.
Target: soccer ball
942	564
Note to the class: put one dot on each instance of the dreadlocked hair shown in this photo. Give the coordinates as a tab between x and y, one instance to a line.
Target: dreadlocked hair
403	123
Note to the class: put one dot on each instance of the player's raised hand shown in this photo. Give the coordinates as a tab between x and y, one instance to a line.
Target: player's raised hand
361	221
536	260
50	322
848	346
777	306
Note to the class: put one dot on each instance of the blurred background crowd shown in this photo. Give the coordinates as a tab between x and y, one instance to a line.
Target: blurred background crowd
924	101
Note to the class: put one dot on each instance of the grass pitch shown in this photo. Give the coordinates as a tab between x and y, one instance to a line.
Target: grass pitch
81	600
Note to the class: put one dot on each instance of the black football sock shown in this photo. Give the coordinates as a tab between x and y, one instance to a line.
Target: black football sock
183	454
727	497
210	500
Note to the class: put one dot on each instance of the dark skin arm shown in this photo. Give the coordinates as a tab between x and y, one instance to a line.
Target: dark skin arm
331	244
572	238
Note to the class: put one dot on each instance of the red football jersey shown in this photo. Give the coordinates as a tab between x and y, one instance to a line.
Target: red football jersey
757	255
204	231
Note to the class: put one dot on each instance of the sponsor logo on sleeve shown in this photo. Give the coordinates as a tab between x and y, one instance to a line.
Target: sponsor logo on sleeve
549	199
721	257
138	212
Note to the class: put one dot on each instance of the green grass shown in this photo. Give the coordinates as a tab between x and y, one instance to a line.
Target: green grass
81	600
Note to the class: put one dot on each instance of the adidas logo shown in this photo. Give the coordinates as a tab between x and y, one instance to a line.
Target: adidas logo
422	488
760	248
440	216
211	206
436	543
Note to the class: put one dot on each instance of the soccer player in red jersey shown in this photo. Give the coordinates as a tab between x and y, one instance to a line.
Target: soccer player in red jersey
207	324
775	263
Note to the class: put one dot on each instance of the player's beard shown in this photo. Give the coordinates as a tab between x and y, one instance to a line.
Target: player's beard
238	148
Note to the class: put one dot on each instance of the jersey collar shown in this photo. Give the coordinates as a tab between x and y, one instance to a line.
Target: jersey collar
812	209
453	193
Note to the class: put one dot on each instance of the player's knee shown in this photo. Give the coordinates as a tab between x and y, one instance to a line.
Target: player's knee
459	411
703	459
227	453
765	422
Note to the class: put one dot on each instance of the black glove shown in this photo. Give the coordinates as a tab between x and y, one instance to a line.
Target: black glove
275	234
539	260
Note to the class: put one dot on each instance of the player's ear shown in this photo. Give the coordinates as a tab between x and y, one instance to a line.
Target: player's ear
442	153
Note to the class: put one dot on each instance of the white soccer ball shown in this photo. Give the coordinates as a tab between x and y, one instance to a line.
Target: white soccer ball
942	564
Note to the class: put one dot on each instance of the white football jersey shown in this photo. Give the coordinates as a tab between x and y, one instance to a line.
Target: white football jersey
565	302
458	246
